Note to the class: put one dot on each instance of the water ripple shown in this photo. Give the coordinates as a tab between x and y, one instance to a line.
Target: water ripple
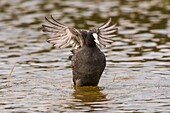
136	78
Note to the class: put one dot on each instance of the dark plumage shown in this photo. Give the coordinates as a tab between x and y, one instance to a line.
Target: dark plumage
88	62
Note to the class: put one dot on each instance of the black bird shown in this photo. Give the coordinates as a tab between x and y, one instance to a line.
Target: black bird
88	62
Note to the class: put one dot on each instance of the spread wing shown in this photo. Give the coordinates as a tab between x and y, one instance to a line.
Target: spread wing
104	33
63	36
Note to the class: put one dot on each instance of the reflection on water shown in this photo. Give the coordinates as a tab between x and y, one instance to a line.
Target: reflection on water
89	94
137	75
88	99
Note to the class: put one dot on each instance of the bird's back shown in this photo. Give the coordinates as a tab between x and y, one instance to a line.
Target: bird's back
88	64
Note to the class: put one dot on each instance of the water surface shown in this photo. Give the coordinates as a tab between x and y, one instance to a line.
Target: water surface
137	75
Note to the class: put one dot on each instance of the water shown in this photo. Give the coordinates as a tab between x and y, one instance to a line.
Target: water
137	75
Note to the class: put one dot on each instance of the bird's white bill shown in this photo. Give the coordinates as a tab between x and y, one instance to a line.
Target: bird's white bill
96	38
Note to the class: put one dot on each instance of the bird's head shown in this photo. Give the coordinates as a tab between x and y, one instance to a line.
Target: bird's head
89	39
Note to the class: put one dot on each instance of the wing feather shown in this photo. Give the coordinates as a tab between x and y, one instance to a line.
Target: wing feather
54	23
112	27
63	36
105	32
106	24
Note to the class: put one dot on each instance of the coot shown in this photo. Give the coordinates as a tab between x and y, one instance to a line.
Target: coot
87	61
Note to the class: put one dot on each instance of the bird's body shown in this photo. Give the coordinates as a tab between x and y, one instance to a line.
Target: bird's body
88	65
88	62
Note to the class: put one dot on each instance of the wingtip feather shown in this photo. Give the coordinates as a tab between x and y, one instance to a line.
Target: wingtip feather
106	24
